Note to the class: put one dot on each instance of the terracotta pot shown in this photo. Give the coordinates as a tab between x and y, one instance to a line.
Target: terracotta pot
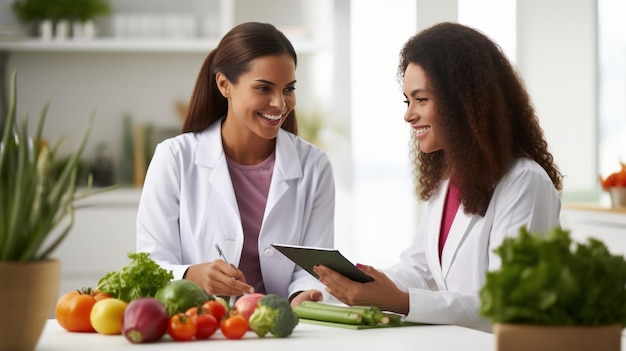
27	299
522	337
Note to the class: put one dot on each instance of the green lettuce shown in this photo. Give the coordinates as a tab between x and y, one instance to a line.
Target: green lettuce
141	277
550	280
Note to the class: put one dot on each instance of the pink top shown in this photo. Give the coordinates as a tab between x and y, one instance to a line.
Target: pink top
449	211
251	184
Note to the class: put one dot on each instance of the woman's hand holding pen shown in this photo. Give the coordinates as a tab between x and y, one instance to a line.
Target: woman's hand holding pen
219	278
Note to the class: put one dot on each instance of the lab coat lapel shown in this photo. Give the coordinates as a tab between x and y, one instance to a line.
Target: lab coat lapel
210	154
460	229
287	166
432	232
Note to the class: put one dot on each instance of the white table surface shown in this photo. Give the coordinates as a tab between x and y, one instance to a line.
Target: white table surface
304	337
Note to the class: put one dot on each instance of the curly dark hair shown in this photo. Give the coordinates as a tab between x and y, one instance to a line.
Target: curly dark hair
487	113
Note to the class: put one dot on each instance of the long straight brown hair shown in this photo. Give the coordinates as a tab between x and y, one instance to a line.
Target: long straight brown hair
232	57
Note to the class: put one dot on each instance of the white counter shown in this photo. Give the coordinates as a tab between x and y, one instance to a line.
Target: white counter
597	221
304	337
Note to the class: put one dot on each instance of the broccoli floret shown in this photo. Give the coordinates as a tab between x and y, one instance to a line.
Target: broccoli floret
274	315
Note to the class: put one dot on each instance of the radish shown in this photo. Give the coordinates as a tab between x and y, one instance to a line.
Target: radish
246	304
145	320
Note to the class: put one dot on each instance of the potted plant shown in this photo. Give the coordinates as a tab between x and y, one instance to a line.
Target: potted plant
615	185
553	294
36	214
47	12
40	14
82	14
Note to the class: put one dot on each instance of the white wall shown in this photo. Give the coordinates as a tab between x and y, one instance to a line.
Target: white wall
384	209
555	55
144	85
557	58
553	45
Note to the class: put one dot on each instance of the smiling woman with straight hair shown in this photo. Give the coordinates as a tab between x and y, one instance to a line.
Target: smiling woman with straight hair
239	178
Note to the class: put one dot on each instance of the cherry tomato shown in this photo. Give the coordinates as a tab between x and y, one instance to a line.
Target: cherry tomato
74	308
194	311
216	308
181	327
206	323
234	327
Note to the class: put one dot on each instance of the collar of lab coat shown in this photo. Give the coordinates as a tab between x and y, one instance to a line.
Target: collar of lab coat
210	152
461	227
287	165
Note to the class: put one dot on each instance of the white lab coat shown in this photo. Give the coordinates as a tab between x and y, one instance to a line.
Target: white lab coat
447	293
188	206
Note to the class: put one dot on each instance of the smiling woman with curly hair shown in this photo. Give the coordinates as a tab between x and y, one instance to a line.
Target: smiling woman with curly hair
481	165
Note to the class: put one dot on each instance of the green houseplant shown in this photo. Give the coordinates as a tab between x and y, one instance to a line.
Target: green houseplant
36	214
47	13
554	294
36	10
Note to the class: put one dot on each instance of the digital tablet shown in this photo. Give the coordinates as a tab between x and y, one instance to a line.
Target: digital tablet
307	257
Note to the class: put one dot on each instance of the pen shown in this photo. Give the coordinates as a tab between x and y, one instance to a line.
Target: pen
219	250
221	253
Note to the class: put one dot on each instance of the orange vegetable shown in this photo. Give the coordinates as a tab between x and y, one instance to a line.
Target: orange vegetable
181	327
615	179
234	326
74	307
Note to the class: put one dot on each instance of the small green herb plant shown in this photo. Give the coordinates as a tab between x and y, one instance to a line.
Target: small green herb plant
550	280
36	199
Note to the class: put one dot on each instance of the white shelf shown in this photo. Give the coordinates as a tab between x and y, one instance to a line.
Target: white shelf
129	45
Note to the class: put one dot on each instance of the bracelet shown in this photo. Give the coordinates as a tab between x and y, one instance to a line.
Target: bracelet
292	296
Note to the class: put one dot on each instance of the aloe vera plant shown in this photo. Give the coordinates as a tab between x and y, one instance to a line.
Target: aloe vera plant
36	203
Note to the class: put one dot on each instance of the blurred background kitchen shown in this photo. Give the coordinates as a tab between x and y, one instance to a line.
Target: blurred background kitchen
134	64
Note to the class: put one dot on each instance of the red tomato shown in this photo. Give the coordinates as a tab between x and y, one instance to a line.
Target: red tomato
181	327
216	308
73	309
206	326
206	323
194	311
234	327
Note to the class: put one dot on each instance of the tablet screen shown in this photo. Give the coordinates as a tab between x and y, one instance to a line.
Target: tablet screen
307	257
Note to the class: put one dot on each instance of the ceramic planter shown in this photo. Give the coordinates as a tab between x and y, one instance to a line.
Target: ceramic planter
618	197
521	337
27	299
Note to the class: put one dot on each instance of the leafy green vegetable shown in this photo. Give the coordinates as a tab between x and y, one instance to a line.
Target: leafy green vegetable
141	277
550	280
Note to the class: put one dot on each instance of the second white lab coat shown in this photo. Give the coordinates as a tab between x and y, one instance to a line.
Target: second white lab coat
447	292
188	206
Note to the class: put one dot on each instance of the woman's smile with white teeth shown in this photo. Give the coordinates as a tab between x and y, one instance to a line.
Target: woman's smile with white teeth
271	117
421	130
